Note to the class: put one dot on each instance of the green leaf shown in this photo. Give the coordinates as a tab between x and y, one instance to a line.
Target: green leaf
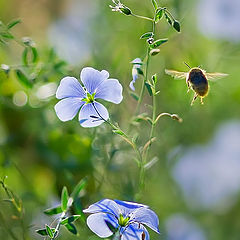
79	187
154	3
146	35
71	228
13	23
34	54
25	56
176	26
53	211
168	19
140	71
149	88
7	35
158	42
151	163
42	232
154	78
119	132
159	15
70	219
64	199
134	95
50	233
60	64
23	79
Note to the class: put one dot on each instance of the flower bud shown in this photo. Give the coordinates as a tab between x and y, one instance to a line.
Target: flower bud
154	52
150	40
125	10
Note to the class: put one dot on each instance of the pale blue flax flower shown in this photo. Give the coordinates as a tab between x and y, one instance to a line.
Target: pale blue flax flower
136	69
75	97
128	219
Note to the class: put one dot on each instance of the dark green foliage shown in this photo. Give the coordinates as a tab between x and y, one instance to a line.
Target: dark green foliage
146	35
158	43
53	211
70	219
71	228
159	15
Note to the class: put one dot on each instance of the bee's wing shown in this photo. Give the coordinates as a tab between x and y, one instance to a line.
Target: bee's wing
176	74
215	76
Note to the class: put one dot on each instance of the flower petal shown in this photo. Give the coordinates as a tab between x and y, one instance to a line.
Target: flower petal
67	108
89	115
110	90
70	87
146	216
91	78
135	77
105	74
97	223
105	205
128	207
135	232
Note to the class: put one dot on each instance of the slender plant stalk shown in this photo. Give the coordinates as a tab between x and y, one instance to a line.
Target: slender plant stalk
143	82
142	17
58	226
144	158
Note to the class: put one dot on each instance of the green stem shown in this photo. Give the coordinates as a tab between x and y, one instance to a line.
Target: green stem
144	158
58	225
165	9
143	83
142	17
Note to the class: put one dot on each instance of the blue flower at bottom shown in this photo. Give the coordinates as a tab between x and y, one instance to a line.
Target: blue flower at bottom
128	218
75	97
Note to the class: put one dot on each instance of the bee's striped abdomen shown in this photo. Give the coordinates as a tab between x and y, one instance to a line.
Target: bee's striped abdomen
198	81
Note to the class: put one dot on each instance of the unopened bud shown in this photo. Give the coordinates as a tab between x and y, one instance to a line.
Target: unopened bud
125	10
150	40
154	52
176	117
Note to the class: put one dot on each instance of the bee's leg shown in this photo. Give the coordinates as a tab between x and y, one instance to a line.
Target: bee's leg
202	100
189	86
194	98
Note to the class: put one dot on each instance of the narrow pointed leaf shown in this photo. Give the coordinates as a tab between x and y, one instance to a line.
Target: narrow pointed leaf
7	35
23	79
134	95
158	43
64	199
25	56
53	211
50	232
34	54
159	15
168	19
71	228
79	187
42	232
13	23
149	88
177	26
70	219
146	35
154	3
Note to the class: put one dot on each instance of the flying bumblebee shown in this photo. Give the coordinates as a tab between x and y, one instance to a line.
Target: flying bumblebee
197	80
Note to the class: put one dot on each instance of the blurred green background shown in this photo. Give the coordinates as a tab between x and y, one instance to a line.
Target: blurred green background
194	187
